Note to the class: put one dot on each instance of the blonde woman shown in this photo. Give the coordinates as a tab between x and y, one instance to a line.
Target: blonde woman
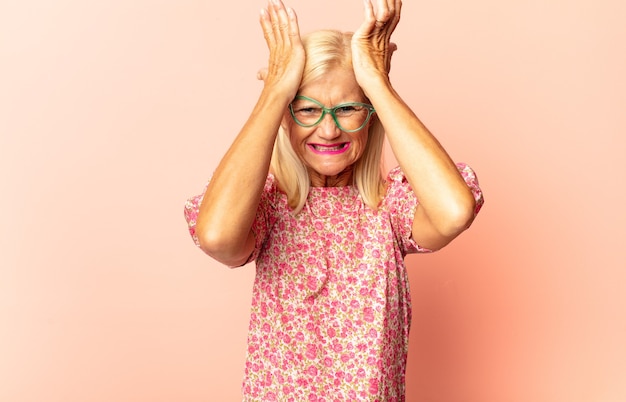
301	193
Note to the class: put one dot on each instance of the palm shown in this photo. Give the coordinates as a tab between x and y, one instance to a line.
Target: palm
371	45
287	57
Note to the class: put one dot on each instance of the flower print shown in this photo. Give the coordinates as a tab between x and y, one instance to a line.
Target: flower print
368	314
311	351
324	281
311	282
285	318
358	250
373	388
268	379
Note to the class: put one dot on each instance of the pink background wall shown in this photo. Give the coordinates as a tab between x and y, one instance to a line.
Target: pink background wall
112	113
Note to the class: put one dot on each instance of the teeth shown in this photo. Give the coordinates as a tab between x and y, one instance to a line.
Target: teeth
335	148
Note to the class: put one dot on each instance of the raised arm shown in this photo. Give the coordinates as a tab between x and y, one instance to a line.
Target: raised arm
446	204
232	197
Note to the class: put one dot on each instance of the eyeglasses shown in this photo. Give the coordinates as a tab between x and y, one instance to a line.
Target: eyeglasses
349	117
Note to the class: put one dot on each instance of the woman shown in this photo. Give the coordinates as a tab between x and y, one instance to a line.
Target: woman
300	191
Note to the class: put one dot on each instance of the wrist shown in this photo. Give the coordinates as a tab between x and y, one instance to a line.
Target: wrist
374	84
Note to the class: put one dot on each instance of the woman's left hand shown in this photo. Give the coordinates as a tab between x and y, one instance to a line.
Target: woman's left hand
371	45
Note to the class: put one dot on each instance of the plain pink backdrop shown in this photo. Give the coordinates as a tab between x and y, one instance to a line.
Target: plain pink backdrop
112	113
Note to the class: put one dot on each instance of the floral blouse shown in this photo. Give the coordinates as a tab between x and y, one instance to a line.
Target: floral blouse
331	308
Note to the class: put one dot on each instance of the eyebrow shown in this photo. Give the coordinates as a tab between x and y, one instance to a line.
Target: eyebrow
310	100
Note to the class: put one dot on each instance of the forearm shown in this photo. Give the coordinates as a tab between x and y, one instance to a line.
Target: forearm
444	197
230	202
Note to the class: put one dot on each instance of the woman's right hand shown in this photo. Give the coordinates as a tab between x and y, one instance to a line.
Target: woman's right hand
287	57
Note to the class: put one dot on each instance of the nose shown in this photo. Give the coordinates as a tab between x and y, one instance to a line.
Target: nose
327	128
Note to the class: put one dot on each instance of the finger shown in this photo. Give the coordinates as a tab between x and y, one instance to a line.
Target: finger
395	19
266	25
294	28
273	17
391	49
369	19
382	12
280	21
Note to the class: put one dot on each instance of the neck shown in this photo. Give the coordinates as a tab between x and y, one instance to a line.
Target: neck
342	179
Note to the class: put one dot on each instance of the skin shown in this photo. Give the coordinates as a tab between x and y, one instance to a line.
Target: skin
231	200
329	170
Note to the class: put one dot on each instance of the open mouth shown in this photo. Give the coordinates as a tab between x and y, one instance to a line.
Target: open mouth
330	149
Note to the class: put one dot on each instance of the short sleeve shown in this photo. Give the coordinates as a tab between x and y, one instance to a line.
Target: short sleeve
471	180
192	206
401	202
265	216
262	222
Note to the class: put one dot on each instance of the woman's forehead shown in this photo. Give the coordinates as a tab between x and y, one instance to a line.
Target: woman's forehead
336	86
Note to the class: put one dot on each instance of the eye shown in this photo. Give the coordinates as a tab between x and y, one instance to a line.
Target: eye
307	110
347	110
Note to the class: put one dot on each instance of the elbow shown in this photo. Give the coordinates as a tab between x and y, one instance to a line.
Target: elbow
220	247
460	217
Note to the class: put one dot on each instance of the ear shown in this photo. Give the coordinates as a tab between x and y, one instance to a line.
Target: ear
285	122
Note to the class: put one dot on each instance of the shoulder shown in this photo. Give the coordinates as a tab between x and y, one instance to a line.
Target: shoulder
398	193
395	175
396	183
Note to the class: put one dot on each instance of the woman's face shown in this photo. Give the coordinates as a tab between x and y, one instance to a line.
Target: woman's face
328	152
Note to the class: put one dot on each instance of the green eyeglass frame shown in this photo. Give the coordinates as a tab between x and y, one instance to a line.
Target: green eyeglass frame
331	111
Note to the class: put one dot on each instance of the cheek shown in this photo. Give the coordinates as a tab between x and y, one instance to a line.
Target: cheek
361	141
295	136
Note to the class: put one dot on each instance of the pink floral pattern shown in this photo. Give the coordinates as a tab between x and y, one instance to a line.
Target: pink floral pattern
331	308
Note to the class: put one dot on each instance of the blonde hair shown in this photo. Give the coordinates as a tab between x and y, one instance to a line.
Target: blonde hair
326	50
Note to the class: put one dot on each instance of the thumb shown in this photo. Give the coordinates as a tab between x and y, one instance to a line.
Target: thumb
392	48
261	75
